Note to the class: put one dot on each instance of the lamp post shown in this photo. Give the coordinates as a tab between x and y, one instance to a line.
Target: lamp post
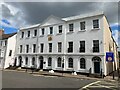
62	65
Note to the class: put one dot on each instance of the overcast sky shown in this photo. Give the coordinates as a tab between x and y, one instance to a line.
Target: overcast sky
27	13
21	14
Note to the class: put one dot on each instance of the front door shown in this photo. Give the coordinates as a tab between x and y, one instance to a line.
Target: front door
96	67
41	64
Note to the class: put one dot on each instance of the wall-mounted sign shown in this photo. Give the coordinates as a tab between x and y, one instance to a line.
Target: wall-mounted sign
109	56
49	38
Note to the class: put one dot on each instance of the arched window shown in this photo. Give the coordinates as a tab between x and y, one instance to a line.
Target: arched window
82	63
59	61
49	61
70	63
33	61
41	58
26	60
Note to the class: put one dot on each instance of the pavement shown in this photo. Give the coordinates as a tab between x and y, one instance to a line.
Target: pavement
46	73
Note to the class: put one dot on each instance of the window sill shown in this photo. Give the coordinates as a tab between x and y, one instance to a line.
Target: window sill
50	35
70	69
95	29
59	34
70	32
41	35
27	37
81	30
34	36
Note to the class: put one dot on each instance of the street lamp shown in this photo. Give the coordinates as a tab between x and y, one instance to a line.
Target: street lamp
62	65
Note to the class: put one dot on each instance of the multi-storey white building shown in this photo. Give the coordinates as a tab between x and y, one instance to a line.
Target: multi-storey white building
7	49
77	43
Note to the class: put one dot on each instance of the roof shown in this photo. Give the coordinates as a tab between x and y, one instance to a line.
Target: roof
6	36
82	16
32	26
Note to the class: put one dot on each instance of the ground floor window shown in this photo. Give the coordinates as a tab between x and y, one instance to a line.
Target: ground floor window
82	63
70	62
26	60
59	62
49	61
33	61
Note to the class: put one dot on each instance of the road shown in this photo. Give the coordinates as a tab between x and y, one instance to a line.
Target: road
25	80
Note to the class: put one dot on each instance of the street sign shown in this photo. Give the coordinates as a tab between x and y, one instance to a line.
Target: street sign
109	56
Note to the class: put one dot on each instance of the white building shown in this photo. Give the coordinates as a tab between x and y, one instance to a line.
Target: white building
78	43
7	49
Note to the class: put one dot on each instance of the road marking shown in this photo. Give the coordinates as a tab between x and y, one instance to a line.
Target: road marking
89	85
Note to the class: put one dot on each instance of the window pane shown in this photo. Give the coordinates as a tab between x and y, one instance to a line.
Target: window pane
82	25
96	23
49	61
82	63
60	29
59	62
70	27
70	63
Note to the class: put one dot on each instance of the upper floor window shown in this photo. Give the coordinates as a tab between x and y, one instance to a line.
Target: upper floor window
34	48
96	23
82	25
51	30
28	34
59	46
35	32
95	45
82	63
82	46
27	48
41	47
22	35
20	48
71	26
42	31
60	29
70	62
10	53
50	47
70	48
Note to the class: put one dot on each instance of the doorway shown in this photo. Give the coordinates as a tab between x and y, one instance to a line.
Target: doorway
96	67
41	62
96	60
20	61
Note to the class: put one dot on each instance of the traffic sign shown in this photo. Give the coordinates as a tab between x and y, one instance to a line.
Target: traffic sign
109	56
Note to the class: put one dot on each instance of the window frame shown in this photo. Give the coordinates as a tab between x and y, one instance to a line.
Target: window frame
71	27
82	25
49	62
82	63
70	64
96	24
59	63
59	46
60	27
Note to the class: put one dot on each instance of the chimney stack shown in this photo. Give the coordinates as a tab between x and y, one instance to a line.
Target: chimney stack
1	32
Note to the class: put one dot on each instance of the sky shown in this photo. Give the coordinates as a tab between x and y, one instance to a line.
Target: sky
22	14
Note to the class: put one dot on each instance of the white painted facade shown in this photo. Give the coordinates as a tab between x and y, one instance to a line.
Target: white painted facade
6	45
11	44
77	35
